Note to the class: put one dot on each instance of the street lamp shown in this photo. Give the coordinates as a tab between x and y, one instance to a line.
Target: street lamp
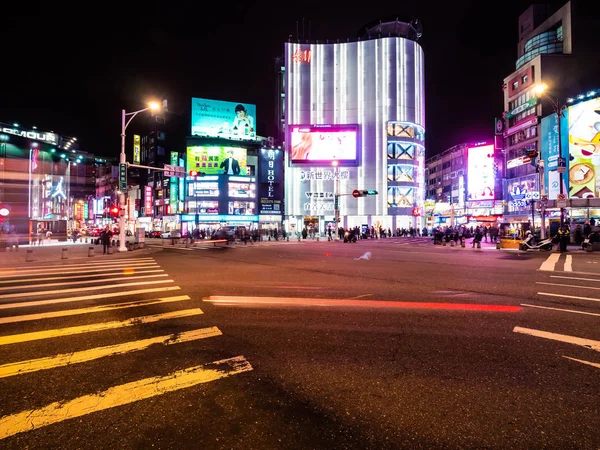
336	200
154	106
541	89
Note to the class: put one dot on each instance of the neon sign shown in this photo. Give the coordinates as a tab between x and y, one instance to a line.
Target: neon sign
301	56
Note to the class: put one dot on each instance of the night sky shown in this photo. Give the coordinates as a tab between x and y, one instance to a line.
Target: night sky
71	69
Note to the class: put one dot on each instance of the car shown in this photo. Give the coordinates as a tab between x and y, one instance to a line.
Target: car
173	234
155	234
226	233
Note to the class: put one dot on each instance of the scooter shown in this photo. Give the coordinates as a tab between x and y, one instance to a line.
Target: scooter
529	244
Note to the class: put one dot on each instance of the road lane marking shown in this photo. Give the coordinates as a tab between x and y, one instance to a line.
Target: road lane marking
567	285
568	264
574	278
86	297
569	296
550	262
587	343
103	326
361	296
92	309
67	359
121	395
25	273
92	288
122	272
589	363
561	309
297	301
86	265
70	283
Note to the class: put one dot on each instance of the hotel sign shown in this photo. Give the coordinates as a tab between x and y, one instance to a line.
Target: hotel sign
50	138
270	181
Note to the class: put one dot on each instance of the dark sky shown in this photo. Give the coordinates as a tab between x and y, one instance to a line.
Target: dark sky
71	68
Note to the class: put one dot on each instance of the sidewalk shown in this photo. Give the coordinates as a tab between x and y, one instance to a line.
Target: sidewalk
52	252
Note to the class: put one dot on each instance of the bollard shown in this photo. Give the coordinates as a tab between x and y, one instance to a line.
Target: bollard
142	245
110	250
317	238
29	256
136	245
462	242
478	244
443	242
451	243
65	253
90	251
187	243
498	245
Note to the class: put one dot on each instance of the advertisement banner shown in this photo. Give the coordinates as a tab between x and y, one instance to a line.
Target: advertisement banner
173	186
217	118
549	152
270	181
136	148
313	144
217	160
480	185
584	148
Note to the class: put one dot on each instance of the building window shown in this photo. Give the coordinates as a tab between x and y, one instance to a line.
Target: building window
160	151
524	79
160	136
515	85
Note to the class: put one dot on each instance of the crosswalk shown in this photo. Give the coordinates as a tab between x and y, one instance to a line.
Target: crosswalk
45	306
574	298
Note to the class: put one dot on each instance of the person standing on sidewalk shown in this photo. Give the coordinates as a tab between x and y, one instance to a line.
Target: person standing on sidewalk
105	237
563	238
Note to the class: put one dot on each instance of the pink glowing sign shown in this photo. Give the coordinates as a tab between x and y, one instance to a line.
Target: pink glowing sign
481	173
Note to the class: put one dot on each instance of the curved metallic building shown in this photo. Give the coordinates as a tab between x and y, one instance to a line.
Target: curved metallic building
377	85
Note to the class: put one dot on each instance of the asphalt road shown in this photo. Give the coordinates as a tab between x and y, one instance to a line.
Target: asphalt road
382	344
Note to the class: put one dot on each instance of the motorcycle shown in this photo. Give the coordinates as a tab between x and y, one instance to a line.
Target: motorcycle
349	237
529	244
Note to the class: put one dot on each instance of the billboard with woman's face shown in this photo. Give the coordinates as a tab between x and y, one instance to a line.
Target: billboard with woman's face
323	144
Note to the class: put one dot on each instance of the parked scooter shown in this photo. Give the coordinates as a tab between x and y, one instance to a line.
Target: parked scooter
529	243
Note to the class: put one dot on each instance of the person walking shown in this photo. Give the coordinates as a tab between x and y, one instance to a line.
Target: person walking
563	238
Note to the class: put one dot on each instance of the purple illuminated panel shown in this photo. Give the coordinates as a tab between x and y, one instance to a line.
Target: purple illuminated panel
323	144
481	173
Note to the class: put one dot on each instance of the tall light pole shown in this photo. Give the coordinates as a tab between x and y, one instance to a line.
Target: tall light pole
541	89
122	160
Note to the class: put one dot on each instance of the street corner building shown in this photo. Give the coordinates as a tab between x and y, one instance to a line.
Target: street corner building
355	119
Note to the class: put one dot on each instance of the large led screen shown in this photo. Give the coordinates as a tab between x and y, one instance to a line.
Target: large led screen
216	160
217	118
322	144
584	149
481	173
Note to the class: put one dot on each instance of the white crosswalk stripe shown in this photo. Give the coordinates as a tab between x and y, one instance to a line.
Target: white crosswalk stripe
31	288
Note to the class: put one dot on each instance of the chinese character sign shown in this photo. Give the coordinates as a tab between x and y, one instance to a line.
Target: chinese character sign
217	118
270	181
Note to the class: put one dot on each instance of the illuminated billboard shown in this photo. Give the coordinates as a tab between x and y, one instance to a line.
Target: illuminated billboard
584	149
214	160
481	173
217	118
322	144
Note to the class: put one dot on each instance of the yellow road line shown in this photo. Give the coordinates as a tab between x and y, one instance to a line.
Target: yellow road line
69	282
121	395
66	359
91	309
72	277
60	332
86	297
92	288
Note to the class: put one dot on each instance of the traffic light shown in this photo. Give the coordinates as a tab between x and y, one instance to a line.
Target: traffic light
195	173
114	211
532	154
356	193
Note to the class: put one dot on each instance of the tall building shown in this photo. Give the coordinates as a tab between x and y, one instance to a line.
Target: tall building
558	49
355	120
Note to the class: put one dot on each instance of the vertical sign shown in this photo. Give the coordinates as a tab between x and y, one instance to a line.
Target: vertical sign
123	177
173	185
86	211
549	152
181	187
148	200
136	149
270	181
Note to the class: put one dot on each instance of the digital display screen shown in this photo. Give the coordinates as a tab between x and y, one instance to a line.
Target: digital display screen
217	160
217	118
481	173
322	144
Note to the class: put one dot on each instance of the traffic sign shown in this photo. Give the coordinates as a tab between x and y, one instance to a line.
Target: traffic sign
561	165
561	201
174	171
123	177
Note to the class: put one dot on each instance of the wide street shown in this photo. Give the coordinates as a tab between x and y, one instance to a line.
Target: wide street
383	344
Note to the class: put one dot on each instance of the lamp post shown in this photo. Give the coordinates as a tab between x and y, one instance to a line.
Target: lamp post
540	89
122	160
336	204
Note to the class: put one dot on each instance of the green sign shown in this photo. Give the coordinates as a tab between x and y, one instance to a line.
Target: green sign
519	109
371	192
123	177
336	203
